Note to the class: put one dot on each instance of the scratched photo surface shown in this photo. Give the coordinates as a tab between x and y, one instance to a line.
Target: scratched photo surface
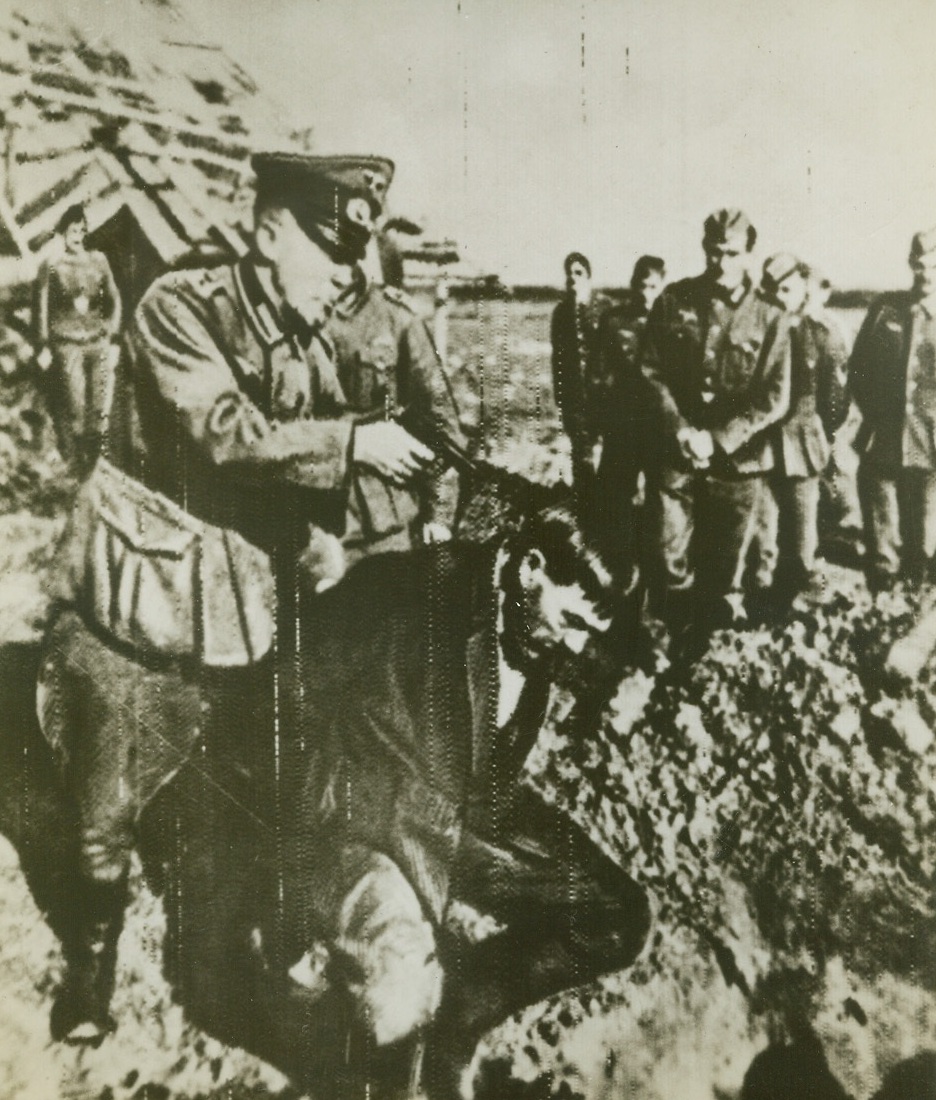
318	776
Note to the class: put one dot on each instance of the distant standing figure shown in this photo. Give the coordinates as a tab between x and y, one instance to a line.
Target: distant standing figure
573	332
892	375
621	410
818	406
77	318
840	507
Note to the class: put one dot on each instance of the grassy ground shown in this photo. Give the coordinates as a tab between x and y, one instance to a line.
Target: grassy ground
688	1018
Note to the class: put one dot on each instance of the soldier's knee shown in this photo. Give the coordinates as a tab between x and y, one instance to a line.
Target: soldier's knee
394	976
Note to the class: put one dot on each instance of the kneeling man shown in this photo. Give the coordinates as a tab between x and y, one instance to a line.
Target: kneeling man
425	679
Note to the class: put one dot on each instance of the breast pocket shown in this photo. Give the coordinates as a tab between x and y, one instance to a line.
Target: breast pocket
143	577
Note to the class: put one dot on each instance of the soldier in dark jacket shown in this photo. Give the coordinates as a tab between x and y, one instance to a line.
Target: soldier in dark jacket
387	364
892	376
425	680
717	362
621	413
229	445
574	336
803	439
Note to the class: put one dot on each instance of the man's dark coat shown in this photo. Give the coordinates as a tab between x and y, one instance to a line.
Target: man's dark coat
393	732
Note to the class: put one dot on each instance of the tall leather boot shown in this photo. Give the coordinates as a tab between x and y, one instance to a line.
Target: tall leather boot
81	1012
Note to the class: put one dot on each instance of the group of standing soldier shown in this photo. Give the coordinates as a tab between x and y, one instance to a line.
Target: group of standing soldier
726	393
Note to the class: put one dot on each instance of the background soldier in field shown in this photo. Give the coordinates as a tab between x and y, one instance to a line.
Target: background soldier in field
77	319
803	439
621	410
574	337
892	376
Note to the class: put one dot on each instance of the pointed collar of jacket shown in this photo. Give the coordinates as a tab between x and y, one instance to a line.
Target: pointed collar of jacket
733	298
354	295
270	323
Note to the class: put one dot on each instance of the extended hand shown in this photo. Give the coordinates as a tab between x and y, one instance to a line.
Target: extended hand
44	358
390	451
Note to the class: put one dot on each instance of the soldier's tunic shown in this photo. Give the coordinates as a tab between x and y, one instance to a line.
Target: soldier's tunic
387	364
218	467
892	376
803	440
574	336
720	364
620	403
77	315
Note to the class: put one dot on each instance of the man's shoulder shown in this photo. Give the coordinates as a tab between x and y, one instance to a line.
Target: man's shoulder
191	291
381	591
693	286
375	299
197	283
625	314
438	567
562	308
893	303
684	294
98	258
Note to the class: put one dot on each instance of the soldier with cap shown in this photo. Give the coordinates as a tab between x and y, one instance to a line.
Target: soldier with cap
802	440
230	450
387	365
620	408
574	334
77	318
716	360
892	376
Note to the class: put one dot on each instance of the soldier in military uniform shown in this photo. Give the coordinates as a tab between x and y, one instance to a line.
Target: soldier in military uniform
620	409
716	360
229	443
77	318
573	334
892	375
803	439
387	364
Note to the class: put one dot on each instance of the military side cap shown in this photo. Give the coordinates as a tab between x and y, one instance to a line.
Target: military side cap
728	222
923	244
335	200
781	266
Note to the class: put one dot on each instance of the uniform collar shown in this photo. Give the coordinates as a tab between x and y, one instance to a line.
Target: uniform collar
271	323
263	315
354	295
733	298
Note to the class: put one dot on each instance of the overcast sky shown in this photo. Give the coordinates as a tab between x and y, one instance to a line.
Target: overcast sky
528	128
